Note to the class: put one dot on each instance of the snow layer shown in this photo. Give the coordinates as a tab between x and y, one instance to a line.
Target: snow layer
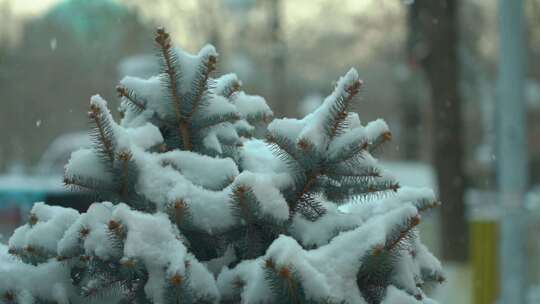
150	238
328	272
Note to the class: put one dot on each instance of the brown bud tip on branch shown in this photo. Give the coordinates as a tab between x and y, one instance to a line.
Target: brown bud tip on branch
415	221
92	115
387	136
122	91
180	205
354	88
30	249
84	232
304	144
94	112
176	280
441	279
115	227
237	85
240	190
378	249
129	263
285	272
163	38
124	156
239	283
212	62
163	148
268	118
364	145
32	219
268	263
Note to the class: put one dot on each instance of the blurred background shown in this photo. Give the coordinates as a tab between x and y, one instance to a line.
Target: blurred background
457	81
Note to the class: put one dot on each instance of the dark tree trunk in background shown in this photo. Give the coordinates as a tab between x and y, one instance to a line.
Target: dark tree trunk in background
278	53
437	50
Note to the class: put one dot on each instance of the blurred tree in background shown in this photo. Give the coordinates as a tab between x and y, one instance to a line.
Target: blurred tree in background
65	56
435	23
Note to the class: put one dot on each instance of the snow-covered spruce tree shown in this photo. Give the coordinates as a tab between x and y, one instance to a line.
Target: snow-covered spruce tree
197	209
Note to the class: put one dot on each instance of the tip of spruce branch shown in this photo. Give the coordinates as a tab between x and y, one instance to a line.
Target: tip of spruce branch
179	204
212	61
33	219
124	156
304	144
285	272
239	283
163	148
84	232
415	221
240	190
378	249
115	227
162	38
268	263
354	88
387	136
121	91
176	279
129	263
441	279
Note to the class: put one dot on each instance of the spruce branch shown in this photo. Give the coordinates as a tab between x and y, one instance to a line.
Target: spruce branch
163	40
241	194
283	148
32	219
200	84
423	205
398	236
305	202
310	208
344	172
231	87
130	96
283	282
80	183
102	134
432	276
377	143
340	108
117	232
125	157
179	212
214	120
353	150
